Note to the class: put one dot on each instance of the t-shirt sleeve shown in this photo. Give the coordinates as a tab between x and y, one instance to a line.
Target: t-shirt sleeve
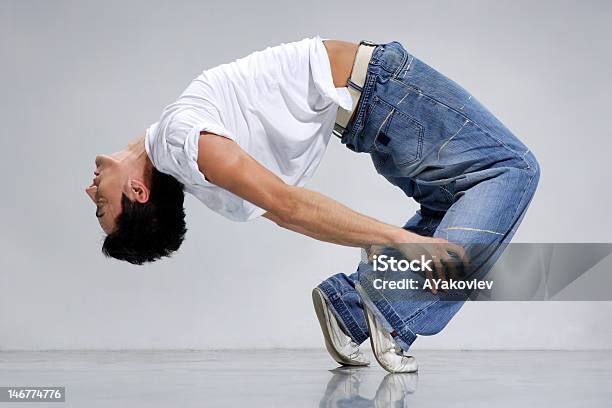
320	68
172	144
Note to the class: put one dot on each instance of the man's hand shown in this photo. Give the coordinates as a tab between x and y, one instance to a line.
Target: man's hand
439	250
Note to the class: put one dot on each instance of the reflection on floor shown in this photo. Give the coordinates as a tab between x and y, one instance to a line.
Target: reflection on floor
308	378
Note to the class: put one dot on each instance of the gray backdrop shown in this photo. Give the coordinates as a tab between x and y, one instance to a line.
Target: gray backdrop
81	78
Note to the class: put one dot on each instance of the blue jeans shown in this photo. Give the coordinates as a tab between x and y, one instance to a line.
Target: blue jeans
471	176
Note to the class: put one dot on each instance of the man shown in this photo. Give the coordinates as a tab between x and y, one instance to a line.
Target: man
245	137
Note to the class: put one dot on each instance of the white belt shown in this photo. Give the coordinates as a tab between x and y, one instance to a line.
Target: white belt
355	84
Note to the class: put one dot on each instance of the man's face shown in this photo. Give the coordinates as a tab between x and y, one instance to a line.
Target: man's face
106	189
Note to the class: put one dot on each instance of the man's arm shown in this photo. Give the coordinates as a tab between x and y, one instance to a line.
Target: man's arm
226	165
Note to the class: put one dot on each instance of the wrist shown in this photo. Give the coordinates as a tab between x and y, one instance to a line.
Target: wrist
400	236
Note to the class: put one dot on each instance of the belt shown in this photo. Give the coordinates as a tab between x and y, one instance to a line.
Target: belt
355	84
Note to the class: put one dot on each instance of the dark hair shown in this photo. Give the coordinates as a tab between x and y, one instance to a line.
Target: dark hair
147	232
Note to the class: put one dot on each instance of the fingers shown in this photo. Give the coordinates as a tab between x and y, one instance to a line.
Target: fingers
460	252
445	256
433	253
445	263
439	269
451	268
373	250
430	278
453	255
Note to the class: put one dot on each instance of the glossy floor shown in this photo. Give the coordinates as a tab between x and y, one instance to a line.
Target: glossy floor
308	378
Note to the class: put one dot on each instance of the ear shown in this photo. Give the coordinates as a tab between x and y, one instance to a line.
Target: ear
139	191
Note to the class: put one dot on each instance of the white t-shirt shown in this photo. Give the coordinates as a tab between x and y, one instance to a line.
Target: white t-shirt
279	105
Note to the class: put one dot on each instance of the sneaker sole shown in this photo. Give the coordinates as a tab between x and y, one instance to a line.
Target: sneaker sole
323	318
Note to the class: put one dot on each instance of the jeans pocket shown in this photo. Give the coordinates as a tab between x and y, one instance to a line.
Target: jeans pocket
395	133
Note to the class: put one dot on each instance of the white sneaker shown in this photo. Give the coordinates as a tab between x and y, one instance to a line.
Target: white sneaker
340	346
388	354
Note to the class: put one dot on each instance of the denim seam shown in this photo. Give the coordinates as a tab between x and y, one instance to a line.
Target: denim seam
528	165
402	74
450	197
384	122
351	317
400	66
404	97
393	108
514	216
421	310
346	318
454	227
420	91
365	94
396	316
418	127
467	100
451	138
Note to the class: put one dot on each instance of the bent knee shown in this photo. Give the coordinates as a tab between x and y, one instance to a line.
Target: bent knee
533	165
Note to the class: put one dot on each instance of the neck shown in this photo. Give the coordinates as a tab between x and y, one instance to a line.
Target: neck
135	155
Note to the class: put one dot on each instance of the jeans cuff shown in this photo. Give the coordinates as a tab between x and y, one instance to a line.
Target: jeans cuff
402	334
342	313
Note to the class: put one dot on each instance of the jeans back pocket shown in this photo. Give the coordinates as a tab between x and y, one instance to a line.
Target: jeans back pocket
395	133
